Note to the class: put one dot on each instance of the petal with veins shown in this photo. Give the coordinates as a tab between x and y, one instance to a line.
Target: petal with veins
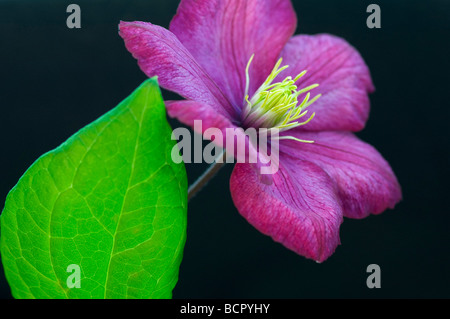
160	53
343	77
300	209
222	35
366	183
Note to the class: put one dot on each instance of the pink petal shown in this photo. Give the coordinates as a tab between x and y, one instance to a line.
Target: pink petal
343	77
189	111
222	35
160	53
300	209
365	180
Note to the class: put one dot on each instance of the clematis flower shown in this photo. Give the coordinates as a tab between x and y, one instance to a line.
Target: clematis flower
237	64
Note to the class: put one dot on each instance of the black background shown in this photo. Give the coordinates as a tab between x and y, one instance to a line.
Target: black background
55	80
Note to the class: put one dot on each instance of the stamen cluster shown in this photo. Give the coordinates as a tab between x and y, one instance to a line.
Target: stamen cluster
275	105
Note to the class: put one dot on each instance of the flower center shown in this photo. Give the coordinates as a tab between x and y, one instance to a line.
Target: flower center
275	106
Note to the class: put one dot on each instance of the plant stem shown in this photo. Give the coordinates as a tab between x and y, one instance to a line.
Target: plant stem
219	162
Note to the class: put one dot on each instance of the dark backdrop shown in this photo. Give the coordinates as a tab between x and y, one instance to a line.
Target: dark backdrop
55	80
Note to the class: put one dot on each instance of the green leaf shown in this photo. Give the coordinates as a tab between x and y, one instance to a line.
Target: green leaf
109	200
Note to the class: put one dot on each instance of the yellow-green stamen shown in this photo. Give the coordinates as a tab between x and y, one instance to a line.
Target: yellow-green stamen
275	105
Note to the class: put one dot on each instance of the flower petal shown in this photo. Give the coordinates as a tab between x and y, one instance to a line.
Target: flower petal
222	35
343	77
300	209
365	180
160	53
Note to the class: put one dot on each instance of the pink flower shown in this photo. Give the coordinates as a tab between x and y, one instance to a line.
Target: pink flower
218	55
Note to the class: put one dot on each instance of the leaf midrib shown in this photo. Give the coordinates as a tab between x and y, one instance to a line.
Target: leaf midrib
128	187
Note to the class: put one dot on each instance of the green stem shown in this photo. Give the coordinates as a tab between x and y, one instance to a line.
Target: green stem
207	175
